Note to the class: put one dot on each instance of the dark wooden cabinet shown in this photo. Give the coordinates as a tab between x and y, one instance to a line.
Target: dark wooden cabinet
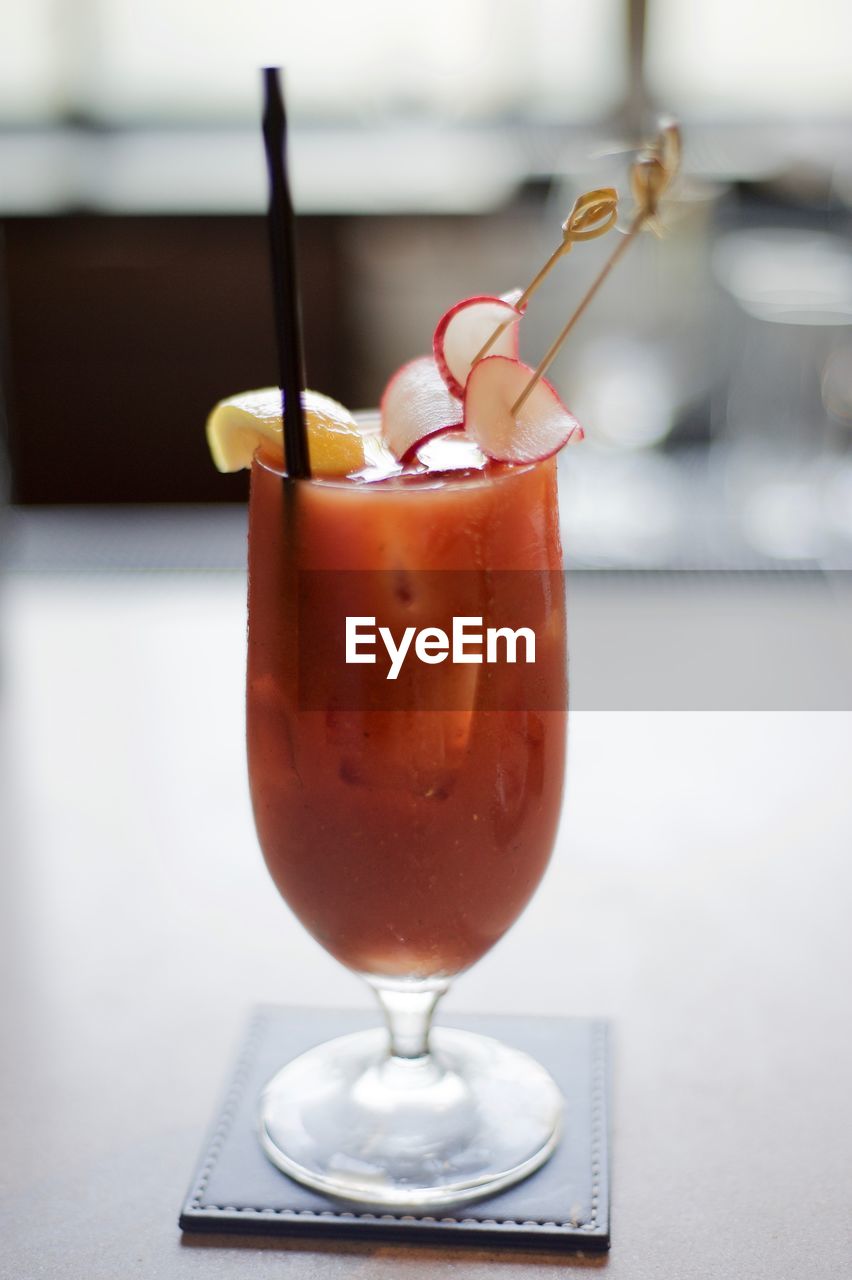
121	334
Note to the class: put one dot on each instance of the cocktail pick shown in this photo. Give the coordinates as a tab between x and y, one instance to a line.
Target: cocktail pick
285	285
591	216
651	174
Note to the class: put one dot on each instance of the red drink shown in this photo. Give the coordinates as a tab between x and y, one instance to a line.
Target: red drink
408	815
408	840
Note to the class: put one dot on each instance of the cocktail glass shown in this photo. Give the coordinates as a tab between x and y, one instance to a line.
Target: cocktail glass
407	839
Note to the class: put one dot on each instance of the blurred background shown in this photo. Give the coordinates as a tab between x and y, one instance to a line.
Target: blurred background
700	892
434	155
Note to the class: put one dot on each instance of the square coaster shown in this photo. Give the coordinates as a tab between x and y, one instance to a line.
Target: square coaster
564	1205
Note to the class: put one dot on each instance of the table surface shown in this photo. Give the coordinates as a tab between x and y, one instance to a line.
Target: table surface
699	897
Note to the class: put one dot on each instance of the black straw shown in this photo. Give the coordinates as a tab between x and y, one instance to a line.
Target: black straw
285	284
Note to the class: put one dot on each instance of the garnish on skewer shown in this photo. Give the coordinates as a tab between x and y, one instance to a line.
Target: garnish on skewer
512	413
542	427
462	329
651	174
476	326
592	215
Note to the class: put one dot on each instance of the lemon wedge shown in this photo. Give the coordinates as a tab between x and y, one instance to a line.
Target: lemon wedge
243	424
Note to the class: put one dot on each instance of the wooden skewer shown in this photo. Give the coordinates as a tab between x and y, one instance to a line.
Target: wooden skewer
650	175
553	350
591	216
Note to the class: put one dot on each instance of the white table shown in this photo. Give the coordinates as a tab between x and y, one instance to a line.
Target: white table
699	896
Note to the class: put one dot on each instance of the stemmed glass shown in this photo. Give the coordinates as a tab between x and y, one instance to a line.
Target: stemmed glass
406	834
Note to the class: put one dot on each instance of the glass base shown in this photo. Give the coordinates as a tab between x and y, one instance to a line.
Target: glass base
471	1118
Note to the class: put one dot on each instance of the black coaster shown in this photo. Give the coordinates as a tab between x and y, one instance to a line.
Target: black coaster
564	1205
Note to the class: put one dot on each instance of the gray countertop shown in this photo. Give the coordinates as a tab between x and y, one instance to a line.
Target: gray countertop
698	897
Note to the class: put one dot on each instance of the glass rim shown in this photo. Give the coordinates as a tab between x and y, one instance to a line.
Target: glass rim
441	480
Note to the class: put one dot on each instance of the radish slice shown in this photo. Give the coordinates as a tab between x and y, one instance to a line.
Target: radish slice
450	451
513	297
463	331
415	405
542	426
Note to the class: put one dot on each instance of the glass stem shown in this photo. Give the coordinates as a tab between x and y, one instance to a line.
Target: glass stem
408	1008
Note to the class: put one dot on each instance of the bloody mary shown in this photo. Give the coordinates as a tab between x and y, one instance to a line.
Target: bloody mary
407	839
